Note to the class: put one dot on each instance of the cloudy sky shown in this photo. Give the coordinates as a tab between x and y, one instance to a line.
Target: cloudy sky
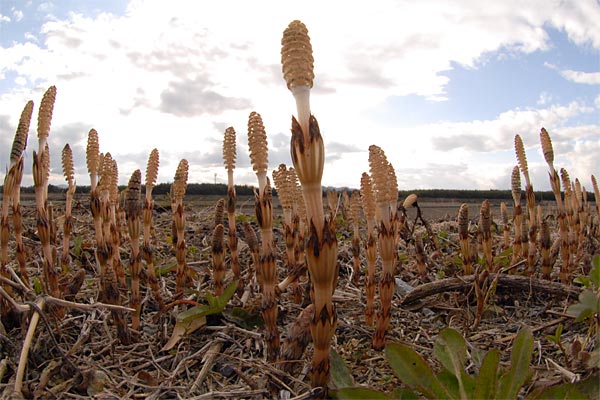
442	87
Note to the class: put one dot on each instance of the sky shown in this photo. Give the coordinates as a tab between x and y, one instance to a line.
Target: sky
442	87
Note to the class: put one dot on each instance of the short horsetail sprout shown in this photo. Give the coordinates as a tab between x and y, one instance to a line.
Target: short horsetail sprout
463	234
253	245
332	201
133	211
385	187
308	156
218	258
297	340
517	215
229	154
147	252
354	217
368	204
485	225
596	198
178	189
219	211
68	171
546	245
572	230
505	224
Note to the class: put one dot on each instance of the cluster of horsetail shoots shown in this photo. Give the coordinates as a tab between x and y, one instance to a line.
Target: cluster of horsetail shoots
385	188
284	180
147	251
100	208
531	253
178	189
308	157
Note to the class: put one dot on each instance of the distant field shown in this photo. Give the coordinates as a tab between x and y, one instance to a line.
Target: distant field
432	209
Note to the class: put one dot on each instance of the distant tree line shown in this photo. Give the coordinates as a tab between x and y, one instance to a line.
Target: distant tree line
245	190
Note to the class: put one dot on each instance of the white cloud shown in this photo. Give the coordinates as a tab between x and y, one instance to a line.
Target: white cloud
590	78
18	14
30	36
4	18
545	98
597	102
167	76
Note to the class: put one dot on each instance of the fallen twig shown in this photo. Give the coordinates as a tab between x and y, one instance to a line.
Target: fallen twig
504	281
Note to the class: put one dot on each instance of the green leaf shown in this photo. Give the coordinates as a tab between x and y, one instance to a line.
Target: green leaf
413	371
404	394
216	305
485	383
519	370
165	268
340	374
357	394
595	272
589	304
449	381
450	348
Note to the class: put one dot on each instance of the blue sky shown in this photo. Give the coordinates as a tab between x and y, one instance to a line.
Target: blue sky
442	88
